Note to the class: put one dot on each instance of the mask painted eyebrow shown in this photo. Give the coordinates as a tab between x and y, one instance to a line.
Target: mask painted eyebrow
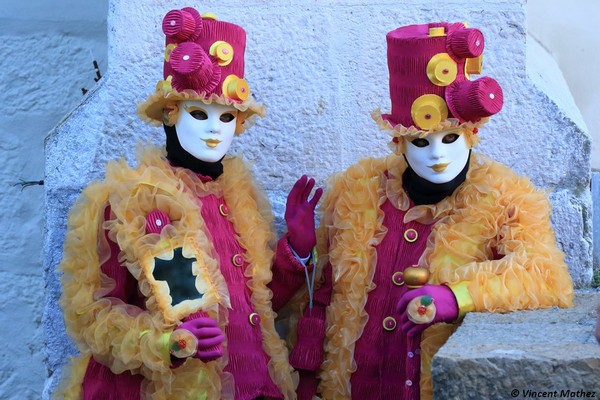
191	109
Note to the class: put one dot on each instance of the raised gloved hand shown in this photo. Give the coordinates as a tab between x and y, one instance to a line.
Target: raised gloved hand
300	216
206	339
427	299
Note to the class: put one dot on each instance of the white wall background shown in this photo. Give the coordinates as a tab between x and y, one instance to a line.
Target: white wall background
45	61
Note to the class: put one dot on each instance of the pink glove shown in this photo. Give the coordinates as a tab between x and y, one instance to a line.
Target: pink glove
300	216
443	299
209	335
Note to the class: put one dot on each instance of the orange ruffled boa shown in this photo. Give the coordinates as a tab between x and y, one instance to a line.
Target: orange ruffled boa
493	208
122	336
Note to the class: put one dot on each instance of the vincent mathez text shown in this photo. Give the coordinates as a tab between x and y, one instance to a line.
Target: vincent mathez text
573	394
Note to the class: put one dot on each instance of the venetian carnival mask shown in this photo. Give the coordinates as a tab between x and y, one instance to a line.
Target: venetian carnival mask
439	156
206	130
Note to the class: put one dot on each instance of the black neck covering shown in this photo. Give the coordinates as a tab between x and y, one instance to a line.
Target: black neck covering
181	158
421	191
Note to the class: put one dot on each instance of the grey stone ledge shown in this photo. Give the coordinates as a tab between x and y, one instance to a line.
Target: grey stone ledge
525	354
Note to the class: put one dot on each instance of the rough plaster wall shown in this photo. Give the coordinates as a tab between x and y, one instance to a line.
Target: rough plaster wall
569	31
44	61
320	67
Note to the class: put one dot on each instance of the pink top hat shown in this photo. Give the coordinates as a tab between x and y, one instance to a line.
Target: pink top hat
204	60
430	84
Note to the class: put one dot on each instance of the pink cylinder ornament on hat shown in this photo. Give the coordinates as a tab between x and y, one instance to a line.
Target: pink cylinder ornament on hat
183	25
180	25
466	43
473	100
193	68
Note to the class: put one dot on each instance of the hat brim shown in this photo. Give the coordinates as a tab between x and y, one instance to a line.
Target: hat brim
386	123
151	110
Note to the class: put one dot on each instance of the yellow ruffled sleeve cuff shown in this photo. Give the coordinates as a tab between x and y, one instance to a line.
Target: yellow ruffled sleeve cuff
163	342
463	298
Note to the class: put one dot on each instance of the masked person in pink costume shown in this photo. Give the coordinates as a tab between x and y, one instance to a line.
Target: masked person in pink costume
168	285
411	242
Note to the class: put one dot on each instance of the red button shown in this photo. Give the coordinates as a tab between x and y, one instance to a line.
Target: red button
254	319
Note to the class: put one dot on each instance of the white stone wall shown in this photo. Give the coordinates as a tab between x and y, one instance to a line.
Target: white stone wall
44	62
568	29
313	125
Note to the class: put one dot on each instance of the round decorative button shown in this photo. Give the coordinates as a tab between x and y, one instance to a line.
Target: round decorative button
237	260
398	278
236	88
156	220
223	210
473	66
411	235
437	31
254	319
222	51
408	382
442	69
389	323
411	354
428	111
168	50
210	16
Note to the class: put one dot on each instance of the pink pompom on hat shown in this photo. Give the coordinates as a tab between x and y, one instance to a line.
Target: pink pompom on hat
204	60
431	89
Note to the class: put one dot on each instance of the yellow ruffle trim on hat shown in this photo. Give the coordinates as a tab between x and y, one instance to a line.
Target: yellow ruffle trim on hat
151	110
494	209
399	131
126	338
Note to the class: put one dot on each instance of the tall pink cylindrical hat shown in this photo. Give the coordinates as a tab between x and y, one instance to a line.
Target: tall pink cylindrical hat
430	67
203	60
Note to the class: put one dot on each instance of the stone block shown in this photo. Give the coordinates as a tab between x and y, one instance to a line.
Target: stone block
522	354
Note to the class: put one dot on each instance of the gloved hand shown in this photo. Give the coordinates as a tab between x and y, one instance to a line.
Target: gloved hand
443	299
209	336
300	216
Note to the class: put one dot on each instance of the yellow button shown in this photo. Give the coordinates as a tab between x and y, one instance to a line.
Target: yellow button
428	111
236	88
168	50
410	235
474	66
222	51
237	260
254	319
442	69
437	31
209	15
398	278
389	323
223	210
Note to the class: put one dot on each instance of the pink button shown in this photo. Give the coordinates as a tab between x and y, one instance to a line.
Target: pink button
156	220
411	235
237	260
254	319
398	278
389	323
223	210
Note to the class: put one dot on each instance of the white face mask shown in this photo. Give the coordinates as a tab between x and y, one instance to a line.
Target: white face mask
438	157
206	130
